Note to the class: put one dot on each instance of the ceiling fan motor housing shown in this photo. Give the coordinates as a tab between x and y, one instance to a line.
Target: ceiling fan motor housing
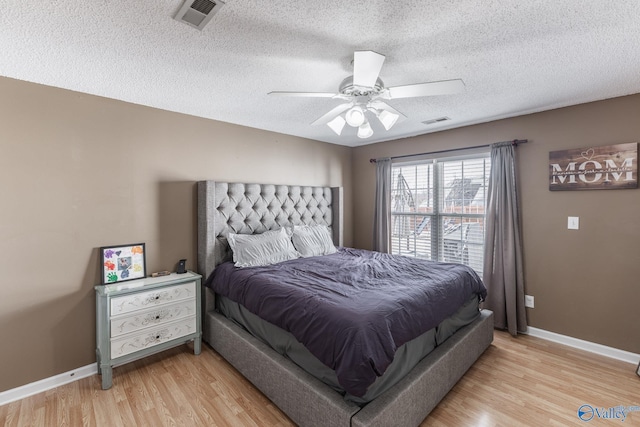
349	89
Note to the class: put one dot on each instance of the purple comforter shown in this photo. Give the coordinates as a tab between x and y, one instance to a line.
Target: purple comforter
354	308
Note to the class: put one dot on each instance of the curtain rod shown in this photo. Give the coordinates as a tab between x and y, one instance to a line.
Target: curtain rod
514	142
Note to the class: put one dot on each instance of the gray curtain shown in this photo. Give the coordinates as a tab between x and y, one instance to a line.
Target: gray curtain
503	274
382	213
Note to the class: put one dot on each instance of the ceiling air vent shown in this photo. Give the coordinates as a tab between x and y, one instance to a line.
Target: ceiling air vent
438	120
197	13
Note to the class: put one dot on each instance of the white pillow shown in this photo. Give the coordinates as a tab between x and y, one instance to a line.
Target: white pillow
270	247
313	240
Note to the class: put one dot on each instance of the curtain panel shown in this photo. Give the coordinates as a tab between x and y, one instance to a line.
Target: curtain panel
503	273
382	212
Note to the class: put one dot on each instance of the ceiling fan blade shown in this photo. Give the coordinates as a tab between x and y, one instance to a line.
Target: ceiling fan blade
331	114
444	87
366	67
304	94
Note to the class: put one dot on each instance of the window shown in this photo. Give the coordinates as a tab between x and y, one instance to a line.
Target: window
438	209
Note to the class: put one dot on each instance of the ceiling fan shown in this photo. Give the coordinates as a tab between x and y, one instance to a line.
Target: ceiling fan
365	92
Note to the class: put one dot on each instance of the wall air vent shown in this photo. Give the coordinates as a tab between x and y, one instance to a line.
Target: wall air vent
197	13
438	120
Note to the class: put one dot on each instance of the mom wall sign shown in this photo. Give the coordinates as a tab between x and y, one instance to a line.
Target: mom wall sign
594	168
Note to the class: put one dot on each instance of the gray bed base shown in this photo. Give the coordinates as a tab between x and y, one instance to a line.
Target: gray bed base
305	399
309	402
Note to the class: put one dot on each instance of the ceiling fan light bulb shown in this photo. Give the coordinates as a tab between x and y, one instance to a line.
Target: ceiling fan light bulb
388	119
355	116
337	124
364	130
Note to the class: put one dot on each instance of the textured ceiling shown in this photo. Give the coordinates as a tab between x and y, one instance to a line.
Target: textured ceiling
514	57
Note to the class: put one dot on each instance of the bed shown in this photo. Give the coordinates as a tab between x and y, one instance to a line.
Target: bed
256	208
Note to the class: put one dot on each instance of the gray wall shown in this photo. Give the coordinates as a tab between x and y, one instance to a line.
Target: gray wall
585	282
78	172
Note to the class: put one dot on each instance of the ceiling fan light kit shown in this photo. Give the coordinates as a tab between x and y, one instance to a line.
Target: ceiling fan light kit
365	92
354	116
364	130
387	118
337	124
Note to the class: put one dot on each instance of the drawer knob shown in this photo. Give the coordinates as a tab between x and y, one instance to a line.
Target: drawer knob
158	316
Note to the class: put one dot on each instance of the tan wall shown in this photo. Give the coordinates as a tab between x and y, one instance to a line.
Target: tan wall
78	172
585	282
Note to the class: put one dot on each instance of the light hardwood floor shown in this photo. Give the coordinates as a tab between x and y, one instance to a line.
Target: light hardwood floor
522	381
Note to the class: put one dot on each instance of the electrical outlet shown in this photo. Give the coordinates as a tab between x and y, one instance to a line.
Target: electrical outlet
528	301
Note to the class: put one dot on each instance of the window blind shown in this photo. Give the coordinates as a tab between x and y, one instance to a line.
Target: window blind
438	209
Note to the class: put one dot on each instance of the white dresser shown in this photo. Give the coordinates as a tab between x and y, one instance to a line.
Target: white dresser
141	317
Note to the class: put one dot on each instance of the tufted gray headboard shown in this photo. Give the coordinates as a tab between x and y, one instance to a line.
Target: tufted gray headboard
225	207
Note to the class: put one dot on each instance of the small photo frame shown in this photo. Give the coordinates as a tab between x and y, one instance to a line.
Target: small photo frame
123	262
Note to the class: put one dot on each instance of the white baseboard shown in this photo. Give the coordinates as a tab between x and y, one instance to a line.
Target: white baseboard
47	384
86	371
603	350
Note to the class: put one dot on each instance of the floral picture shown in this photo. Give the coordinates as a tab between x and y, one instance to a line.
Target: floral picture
125	262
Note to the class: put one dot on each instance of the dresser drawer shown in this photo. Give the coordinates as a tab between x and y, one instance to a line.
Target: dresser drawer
142	300
151	317
131	343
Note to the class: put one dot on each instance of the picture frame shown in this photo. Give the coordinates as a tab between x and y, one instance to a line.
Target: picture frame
123	262
607	167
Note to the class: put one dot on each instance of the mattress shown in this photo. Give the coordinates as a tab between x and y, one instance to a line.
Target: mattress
406	357
352	309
